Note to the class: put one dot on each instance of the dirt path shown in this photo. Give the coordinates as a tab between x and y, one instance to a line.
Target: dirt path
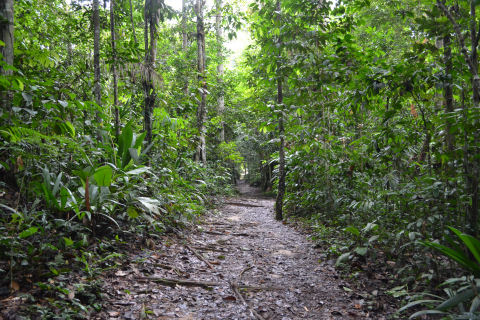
240	264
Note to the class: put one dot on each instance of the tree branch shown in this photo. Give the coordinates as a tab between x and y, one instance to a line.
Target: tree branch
461	38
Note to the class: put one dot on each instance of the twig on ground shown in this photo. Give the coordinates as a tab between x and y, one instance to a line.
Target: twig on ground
234	287
199	256
188	283
243	271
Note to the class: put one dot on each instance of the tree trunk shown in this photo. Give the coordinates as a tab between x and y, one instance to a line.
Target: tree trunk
6	33
96	57
281	130
114	69
131	21
7	36
220	69
184	42
448	92
201	153
150	52
474	174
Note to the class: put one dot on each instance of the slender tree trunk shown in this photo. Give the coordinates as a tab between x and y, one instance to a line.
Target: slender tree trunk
149	65
114	69
132	22
184	42
6	33
448	92
474	174
7	36
281	130
96	57
220	69
201	154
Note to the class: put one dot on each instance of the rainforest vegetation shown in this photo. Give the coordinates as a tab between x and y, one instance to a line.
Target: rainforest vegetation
122	120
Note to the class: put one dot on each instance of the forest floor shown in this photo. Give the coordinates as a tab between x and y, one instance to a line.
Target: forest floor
238	263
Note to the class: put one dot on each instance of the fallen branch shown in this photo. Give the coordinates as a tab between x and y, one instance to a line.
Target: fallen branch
180	282
168	267
234	287
199	256
213	232
242	234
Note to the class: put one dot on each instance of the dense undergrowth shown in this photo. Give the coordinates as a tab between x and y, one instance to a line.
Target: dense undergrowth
380	108
373	107
75	193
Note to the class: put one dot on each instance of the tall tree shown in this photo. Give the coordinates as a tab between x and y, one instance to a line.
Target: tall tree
281	128
151	20
447	91
114	68
132	22
96	56
7	36
220	68
184	40
6	31
201	153
472	168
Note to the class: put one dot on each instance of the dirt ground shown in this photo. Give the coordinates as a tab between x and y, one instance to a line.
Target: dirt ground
238	264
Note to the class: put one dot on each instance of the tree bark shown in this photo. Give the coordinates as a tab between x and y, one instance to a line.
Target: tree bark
150	53
474	174
281	130
132	22
7	36
96	57
220	68
114	69
201	153
448	92
184	42
6	33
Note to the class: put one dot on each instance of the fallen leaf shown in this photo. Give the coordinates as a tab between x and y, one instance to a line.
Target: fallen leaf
14	286
71	293
113	313
229	298
121	273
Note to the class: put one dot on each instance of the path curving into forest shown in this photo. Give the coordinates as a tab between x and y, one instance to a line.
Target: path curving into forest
239	264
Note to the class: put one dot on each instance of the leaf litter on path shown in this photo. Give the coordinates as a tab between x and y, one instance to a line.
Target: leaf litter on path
239	264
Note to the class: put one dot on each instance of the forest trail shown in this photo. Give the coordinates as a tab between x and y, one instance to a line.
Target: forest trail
239	264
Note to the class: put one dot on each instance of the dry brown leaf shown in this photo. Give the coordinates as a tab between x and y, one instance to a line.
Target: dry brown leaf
14	286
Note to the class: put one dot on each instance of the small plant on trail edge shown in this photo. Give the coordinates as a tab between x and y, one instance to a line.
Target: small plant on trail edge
462	299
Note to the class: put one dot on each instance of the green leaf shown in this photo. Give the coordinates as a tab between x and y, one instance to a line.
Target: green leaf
472	243
424	312
457	299
138	171
352	230
455	255
344	257
132	212
124	143
70	128
68	242
27	233
103	176
361	250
